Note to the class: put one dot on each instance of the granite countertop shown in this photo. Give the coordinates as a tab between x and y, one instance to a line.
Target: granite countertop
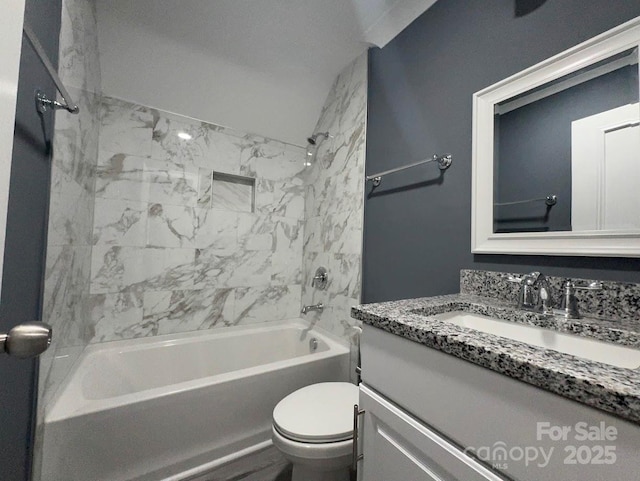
612	389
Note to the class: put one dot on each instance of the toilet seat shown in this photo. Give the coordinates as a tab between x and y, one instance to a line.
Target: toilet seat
320	413
337	453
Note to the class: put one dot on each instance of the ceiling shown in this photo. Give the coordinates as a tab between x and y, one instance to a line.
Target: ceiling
289	50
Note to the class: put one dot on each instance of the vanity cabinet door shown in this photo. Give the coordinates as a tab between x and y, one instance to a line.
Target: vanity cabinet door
397	447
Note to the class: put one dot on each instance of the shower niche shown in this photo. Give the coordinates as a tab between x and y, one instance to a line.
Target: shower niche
232	192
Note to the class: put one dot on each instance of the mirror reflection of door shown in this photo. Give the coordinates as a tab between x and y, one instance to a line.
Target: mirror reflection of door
605	170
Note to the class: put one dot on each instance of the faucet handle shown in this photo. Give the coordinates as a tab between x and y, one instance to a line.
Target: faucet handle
592	286
530	279
526	293
569	302
320	278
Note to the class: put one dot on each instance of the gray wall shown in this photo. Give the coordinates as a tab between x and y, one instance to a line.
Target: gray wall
417	227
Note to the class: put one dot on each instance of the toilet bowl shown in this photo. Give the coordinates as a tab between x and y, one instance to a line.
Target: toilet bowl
313	428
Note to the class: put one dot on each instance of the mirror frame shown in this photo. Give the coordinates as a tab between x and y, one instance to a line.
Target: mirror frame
578	243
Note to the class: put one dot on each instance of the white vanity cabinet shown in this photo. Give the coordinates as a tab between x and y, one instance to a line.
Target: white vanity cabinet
425	408
399	447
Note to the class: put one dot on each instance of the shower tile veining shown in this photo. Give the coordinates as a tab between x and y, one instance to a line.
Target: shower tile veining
333	200
179	222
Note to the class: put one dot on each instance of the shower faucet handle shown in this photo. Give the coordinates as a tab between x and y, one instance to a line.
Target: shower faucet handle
320	278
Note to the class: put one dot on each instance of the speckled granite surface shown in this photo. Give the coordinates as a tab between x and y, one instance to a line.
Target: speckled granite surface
613	389
616	300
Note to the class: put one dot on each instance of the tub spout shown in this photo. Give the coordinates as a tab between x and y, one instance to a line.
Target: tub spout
316	307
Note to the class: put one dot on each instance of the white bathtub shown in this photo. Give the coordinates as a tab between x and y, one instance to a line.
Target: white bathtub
173	407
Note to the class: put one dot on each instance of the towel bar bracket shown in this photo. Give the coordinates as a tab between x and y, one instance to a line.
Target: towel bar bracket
43	103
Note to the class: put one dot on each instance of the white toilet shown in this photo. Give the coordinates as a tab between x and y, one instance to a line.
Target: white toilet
313	428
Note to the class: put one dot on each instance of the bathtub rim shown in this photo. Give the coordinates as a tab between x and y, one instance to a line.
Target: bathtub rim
216	331
61	408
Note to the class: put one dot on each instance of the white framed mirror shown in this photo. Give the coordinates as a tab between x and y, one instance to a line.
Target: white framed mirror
556	154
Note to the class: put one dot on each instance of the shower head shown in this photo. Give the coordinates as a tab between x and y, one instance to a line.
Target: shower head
313	140
312	148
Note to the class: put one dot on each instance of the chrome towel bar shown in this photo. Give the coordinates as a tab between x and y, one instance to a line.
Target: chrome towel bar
549	200
43	102
444	161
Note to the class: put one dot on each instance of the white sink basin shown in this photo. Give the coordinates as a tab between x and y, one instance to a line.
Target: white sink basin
586	348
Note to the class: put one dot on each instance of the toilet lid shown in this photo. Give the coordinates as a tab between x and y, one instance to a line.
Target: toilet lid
319	413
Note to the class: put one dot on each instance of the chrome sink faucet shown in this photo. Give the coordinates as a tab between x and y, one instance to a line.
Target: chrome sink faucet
316	307
535	295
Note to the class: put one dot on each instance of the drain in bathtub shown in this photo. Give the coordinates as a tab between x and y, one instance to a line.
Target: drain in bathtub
313	344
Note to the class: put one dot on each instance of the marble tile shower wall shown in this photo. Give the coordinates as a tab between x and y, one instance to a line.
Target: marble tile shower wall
334	202
174	248
75	156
